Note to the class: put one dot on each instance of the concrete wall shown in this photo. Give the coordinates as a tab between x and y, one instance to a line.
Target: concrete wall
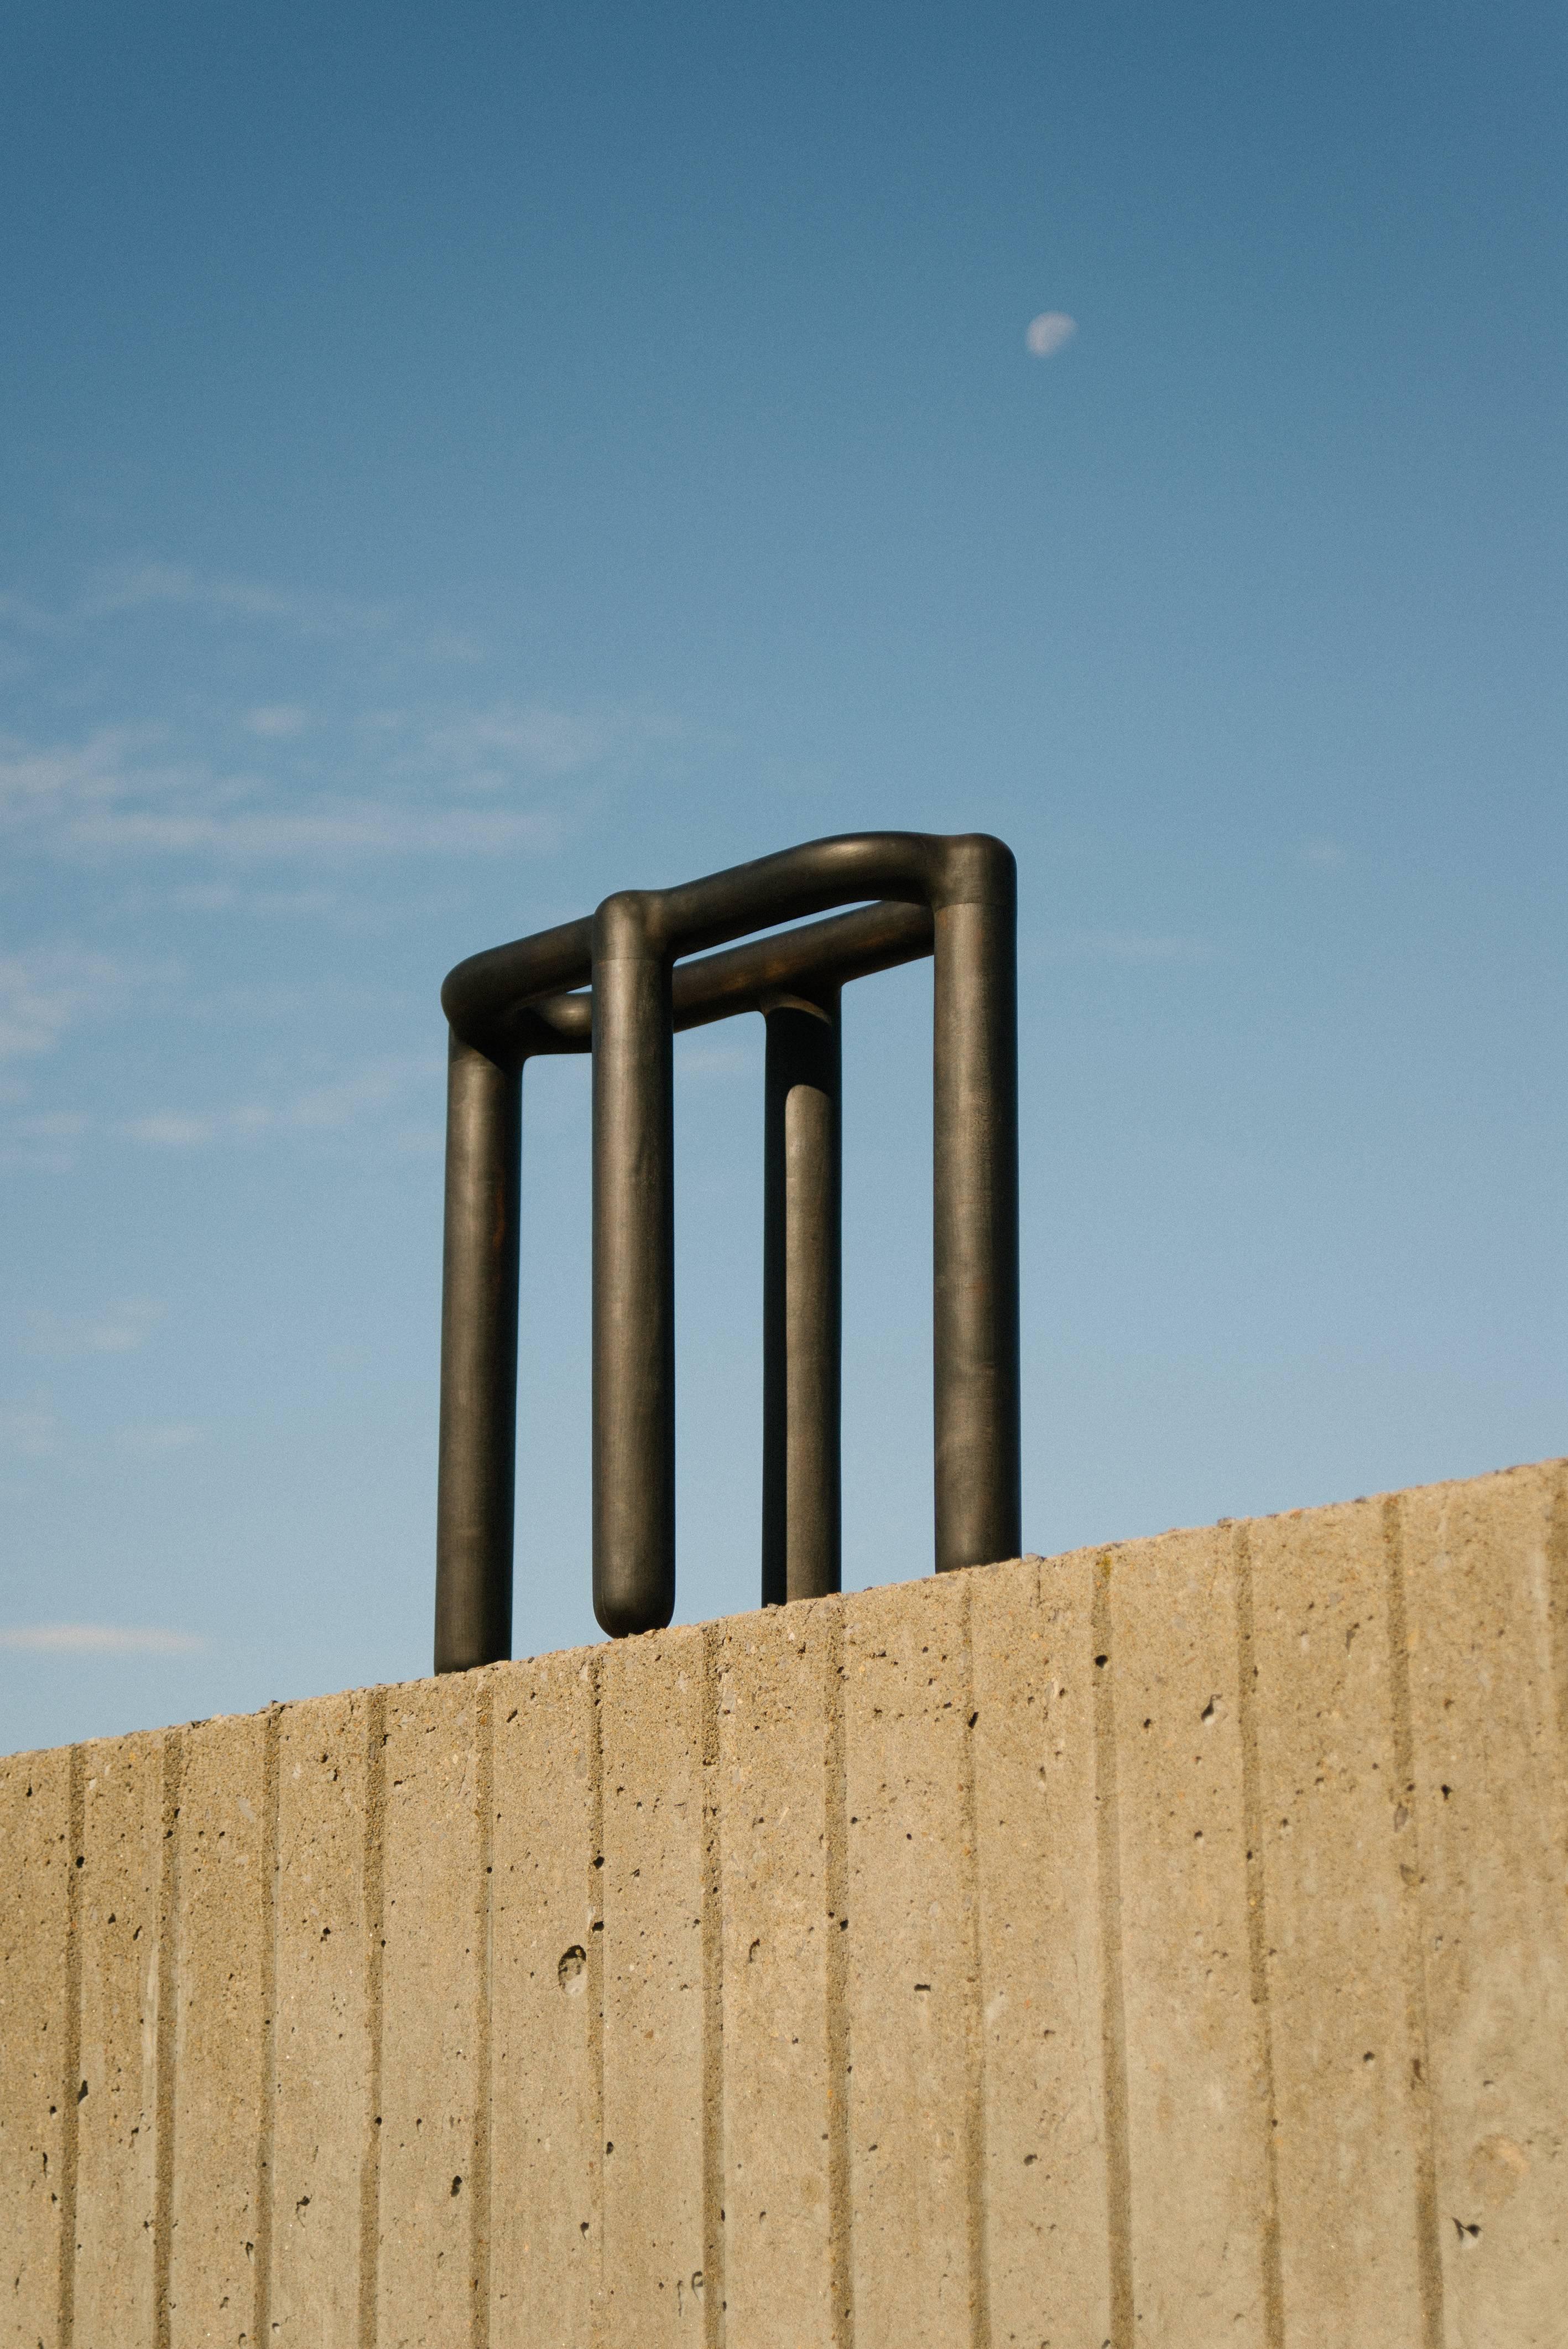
1161	1944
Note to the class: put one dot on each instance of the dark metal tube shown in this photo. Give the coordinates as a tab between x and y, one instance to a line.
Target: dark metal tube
801	1302
476	1495
634	1274
799	962
796	882
476	992
475	1514
975	1202
960	886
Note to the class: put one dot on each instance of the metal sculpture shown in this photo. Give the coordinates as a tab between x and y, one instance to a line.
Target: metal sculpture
950	896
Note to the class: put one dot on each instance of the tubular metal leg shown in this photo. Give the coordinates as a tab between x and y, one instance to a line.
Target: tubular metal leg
476	1497
958	890
975	1252
801	1307
634	1275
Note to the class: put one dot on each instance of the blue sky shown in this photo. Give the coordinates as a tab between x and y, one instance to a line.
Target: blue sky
458	462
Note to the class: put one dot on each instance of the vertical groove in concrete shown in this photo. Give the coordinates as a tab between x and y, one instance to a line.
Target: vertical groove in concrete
1479	1571
905	1734
71	2054
1557	1603
1046	2175
975	2115
118	2134
322	2113
653	2006
778	2279
836	1820
484	1920
261	2321
1257	1933
595	1906
430	2093
1113	2015
374	1943
713	2298
1429	2249
546	2144
168	2009
1196	2126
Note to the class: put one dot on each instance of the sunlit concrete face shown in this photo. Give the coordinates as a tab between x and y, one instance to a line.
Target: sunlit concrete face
1163	1942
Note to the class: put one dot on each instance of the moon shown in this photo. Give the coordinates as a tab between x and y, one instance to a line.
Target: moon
1048	332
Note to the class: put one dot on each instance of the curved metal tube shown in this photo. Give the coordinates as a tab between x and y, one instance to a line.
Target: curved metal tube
952	895
968	882
476	1495
717	986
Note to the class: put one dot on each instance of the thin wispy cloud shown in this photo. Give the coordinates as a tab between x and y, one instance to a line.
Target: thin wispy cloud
22	617
44	992
42	1146
533	737
39	778
1325	856
118	1330
351	830
122	592
110	796
178	596
53	1125
156	1440
232	898
453	645
322	1109
313	786
278	721
169	1129
142	587
98	1639
1049	333
28	1432
385	1096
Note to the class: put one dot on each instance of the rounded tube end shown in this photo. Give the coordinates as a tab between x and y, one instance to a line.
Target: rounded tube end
622	1620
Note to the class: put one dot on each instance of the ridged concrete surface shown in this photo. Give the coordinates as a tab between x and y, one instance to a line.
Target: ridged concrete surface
1164	1944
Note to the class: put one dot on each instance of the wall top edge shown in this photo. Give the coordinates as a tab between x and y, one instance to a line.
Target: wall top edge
1125	1552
